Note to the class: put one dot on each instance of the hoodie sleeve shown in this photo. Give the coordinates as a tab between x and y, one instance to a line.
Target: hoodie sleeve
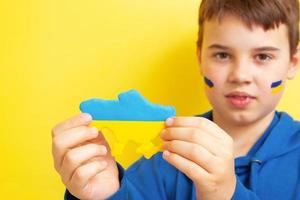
69	196
242	193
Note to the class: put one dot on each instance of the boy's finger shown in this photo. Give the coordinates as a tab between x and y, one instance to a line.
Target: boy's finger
186	166
78	120
78	156
187	121
193	152
198	122
195	135
70	139
84	173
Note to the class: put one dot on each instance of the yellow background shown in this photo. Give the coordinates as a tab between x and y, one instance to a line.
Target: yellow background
56	53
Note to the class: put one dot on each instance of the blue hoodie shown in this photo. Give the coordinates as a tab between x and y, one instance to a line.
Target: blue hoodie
270	170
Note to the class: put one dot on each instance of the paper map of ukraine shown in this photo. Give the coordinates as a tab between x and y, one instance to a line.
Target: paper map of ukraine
130	118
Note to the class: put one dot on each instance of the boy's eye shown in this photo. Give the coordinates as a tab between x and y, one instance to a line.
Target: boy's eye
222	55
263	57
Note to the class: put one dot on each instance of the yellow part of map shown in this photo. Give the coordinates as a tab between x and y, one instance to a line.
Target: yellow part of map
144	133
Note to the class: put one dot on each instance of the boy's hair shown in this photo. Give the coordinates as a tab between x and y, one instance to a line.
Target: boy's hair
266	13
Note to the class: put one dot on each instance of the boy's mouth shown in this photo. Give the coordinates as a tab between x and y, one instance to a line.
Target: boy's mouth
240	99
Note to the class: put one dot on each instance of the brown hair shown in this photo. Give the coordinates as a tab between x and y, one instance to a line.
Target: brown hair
266	13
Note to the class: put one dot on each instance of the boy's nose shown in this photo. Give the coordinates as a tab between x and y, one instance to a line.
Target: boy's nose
240	72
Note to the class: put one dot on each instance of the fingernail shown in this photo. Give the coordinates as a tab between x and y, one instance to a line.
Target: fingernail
94	131
166	153
169	121
163	146
87	117
163	133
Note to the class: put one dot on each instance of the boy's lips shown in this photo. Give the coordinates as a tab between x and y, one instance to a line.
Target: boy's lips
239	94
240	99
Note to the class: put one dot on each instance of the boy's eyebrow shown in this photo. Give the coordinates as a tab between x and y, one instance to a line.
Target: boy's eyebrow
267	48
264	48
218	46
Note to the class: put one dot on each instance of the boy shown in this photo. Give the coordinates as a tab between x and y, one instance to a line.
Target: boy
242	149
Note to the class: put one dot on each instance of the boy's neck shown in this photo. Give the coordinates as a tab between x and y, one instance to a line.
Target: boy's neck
244	137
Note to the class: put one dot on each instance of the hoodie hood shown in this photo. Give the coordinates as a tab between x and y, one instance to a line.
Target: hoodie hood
285	137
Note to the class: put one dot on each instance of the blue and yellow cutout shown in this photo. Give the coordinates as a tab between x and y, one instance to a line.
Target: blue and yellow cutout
276	87
130	118
209	84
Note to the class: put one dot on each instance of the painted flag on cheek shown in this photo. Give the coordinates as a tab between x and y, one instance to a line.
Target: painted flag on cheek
209	84
276	87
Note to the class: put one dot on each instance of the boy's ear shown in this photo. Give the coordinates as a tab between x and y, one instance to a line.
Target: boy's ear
199	60
294	64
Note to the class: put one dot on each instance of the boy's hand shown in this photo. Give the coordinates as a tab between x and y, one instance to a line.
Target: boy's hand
83	160
204	152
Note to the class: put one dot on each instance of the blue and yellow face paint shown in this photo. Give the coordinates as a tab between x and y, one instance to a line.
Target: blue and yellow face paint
209	84
276	87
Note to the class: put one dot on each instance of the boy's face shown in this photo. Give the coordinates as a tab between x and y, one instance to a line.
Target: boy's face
237	59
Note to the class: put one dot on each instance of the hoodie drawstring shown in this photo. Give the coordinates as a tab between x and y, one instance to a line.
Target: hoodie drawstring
255	166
